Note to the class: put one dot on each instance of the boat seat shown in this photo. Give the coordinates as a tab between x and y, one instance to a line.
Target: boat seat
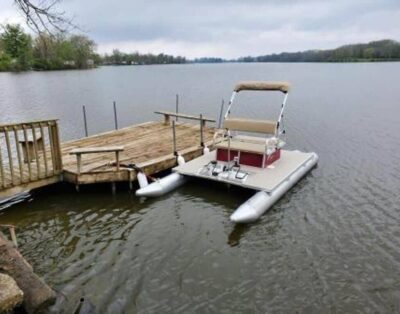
248	125
249	147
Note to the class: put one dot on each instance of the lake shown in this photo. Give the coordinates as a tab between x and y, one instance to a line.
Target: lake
332	244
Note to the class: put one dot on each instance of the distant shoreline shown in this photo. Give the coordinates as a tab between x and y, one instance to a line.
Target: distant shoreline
249	62
188	63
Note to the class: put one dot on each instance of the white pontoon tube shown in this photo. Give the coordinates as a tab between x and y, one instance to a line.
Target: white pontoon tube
260	202
161	186
166	184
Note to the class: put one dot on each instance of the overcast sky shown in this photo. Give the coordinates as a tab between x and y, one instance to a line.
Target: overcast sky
228	28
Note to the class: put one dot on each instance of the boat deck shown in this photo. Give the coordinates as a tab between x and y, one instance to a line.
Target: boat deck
263	179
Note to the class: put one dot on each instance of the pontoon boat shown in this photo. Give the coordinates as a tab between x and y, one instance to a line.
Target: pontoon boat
252	162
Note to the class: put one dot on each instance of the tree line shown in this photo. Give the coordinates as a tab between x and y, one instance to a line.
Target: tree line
20	51
208	60
121	58
382	50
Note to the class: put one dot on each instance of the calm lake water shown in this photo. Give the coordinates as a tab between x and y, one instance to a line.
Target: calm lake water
332	244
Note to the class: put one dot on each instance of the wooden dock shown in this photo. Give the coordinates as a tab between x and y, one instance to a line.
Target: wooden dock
148	145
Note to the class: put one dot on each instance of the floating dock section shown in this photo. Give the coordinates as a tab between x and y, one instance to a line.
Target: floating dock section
148	146
32	156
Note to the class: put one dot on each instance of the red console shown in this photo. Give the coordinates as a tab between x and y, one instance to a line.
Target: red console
248	158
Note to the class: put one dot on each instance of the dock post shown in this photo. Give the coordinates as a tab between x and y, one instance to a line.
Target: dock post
117	160
84	120
115	115
13	236
201	131
174	137
2	171
130	180
11	229
220	114
177	107
113	188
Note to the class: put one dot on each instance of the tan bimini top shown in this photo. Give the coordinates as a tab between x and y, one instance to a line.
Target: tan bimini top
262	85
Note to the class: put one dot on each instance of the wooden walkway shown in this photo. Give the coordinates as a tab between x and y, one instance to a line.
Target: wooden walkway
147	145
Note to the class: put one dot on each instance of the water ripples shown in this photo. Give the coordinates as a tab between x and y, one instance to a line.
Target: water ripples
331	244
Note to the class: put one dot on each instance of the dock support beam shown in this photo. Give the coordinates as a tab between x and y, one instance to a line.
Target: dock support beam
131	180
11	229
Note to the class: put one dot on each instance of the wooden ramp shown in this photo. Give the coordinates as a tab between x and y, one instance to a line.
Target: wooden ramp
148	145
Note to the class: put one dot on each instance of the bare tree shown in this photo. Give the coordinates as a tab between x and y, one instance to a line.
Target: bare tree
43	16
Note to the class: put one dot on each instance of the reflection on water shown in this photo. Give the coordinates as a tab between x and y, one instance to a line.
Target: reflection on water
329	245
236	234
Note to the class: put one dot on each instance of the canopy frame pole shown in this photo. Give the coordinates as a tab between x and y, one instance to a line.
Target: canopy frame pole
277	133
220	114
228	111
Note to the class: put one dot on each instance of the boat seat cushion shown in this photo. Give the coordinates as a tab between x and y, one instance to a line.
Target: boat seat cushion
258	148
247	125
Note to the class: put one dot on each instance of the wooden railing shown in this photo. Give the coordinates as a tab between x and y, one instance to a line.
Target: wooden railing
29	151
167	117
78	152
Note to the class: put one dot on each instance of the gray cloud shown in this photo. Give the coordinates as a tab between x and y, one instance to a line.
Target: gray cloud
232	28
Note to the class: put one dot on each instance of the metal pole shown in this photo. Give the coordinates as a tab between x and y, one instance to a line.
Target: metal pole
228	111
277	133
177	106
220	114
11	228
84	120
201	131
13	236
174	136
115	116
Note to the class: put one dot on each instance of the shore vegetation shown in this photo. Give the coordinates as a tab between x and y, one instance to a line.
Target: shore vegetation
19	51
